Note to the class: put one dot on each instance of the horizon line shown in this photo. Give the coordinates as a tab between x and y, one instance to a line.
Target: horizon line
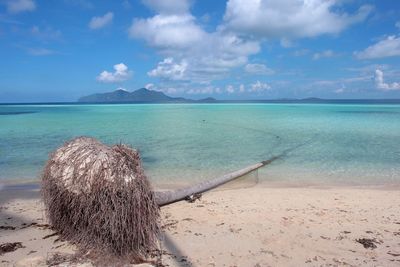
308	100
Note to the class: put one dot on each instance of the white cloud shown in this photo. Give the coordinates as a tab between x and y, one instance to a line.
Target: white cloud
289	19
193	54
339	91
199	56
120	74
323	54
168	31
259	87
230	89
170	70
380	83
149	86
165	89
398	24
102	21
211	58
388	47
18	6
258	69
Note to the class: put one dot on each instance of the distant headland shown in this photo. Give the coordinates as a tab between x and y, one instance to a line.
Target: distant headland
141	95
144	95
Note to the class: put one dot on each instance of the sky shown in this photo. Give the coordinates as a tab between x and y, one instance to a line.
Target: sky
60	50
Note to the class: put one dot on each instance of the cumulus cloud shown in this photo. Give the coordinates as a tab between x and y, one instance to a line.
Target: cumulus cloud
198	55
258	69
168	31
259	87
18	6
170	70
212	57
102	21
289	19
323	54
193	54
120	74
380	83
388	47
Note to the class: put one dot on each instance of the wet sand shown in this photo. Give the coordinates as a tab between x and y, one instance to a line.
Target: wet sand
257	226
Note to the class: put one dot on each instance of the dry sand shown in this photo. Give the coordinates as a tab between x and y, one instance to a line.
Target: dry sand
256	226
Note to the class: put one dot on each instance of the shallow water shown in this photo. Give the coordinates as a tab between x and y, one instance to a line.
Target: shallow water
180	143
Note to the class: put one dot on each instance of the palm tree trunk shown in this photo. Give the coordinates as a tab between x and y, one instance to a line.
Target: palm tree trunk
167	197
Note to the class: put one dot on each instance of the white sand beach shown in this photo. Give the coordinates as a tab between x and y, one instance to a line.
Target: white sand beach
257	226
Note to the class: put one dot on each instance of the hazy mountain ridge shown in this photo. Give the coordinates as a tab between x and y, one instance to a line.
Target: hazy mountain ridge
142	95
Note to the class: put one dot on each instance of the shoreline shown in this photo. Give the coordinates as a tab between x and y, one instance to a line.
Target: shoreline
34	184
268	226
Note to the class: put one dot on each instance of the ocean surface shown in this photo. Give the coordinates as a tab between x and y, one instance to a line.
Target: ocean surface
350	144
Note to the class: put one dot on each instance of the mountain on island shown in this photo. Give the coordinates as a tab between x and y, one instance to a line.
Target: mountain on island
142	95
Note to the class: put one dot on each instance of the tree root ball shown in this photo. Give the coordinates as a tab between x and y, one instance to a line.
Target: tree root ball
99	198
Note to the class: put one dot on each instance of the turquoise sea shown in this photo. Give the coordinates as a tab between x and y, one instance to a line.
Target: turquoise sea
351	144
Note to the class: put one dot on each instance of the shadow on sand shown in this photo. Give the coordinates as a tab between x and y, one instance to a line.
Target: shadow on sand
169	247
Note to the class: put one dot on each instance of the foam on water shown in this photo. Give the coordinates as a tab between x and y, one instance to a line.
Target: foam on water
180	143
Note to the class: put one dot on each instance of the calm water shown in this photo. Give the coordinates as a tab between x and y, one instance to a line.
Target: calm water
339	144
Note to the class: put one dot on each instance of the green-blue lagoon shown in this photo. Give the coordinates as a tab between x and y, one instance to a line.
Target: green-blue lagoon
352	144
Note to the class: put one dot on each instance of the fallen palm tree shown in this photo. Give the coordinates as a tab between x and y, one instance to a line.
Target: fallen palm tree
168	197
99	198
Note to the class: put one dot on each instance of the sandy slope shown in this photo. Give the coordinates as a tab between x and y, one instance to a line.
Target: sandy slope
256	226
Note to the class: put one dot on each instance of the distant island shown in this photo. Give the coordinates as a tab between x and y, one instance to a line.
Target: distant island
141	95
144	95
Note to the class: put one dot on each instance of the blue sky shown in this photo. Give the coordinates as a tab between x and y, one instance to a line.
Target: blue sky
236	49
